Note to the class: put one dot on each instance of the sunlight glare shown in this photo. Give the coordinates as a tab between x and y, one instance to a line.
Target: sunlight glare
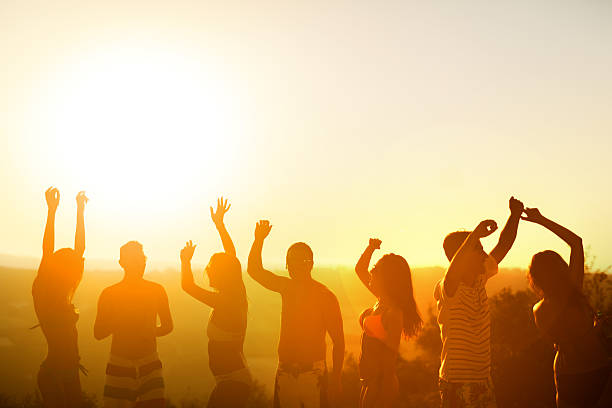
132	123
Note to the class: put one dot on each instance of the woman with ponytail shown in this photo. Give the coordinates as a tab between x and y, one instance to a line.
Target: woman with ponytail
228	319
395	314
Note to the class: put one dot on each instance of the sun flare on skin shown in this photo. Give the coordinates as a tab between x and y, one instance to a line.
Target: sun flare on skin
140	126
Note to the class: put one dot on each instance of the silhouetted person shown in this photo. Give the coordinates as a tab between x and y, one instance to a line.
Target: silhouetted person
582	369
394	314
128	311
59	275
228	320
463	312
309	311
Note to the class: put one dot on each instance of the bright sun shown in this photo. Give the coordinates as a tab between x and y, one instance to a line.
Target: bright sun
130	123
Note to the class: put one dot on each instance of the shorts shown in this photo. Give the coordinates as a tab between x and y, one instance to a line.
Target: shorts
301	385
131	381
478	394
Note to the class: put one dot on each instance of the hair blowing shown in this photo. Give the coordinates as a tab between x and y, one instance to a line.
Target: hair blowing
396	280
228	273
59	277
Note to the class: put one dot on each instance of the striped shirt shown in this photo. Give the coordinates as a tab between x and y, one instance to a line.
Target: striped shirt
465	328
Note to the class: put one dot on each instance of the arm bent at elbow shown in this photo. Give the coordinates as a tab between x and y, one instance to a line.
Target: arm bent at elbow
363	264
255	267
576	264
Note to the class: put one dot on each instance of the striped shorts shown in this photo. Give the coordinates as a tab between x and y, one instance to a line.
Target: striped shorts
131	381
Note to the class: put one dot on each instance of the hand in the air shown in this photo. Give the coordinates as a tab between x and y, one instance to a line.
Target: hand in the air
374	243
516	206
485	228
52	196
532	215
262	229
222	208
187	252
81	200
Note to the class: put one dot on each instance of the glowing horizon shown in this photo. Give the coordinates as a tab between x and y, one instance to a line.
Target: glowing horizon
403	123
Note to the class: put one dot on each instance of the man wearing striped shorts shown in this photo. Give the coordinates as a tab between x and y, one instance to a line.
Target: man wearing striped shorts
128	311
463	313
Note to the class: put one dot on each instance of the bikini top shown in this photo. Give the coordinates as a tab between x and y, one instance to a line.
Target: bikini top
372	325
56	317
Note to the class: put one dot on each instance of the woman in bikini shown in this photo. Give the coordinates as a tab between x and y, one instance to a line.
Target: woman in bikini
582	368
228	319
58	277
394	314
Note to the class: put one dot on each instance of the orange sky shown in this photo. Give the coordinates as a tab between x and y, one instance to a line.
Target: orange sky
336	120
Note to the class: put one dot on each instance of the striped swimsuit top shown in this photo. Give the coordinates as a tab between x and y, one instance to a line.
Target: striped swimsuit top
225	353
465	328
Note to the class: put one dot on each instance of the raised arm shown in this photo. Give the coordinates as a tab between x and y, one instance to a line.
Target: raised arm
187	282
334	326
576	264
508	234
163	311
363	264
460	263
79	236
52	196
255	267
217	217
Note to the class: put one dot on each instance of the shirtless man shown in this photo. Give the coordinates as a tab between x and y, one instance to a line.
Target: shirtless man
309	311
128	311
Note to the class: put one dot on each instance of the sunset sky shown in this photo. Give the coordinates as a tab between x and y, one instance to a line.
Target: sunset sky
338	121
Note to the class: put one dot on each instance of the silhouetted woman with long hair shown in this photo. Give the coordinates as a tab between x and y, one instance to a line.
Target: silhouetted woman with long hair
582	369
394	315
228	319
58	277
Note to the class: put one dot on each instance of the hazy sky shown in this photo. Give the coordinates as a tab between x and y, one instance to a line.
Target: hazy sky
336	120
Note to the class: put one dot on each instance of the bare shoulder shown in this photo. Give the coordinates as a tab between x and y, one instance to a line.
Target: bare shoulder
541	313
111	290
325	293
154	287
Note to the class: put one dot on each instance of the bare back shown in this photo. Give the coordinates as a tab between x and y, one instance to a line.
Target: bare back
306	307
570	326
132	308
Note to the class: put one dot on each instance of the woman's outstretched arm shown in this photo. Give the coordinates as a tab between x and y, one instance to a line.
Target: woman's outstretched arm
79	236
217	217
576	264
363	264
52	196
188	283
